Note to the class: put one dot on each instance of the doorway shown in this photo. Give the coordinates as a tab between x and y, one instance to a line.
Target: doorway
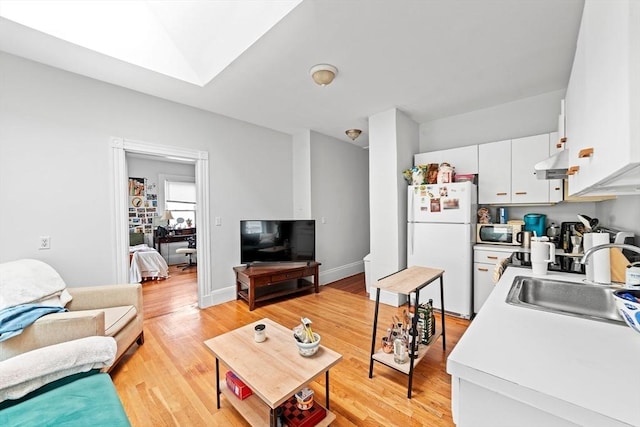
120	148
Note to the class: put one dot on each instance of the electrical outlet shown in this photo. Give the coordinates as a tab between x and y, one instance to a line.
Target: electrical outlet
45	242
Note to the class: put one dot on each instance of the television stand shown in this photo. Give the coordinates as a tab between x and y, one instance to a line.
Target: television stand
262	282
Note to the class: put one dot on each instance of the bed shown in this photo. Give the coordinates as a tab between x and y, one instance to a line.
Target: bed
146	263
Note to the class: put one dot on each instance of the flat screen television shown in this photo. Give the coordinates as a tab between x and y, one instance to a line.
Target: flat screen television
277	241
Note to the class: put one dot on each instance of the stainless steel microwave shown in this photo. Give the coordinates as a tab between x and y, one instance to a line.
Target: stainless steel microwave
498	234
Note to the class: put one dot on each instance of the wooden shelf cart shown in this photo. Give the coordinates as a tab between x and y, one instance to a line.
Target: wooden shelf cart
407	281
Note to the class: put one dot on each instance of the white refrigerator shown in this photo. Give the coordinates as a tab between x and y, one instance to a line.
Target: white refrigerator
440	234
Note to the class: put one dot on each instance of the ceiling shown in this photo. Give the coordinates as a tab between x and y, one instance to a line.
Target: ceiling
428	58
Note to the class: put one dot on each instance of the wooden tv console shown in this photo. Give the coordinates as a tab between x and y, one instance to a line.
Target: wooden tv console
262	282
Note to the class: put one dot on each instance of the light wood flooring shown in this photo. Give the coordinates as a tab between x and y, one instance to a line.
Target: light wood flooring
169	381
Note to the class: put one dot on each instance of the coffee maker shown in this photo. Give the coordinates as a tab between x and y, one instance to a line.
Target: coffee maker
535	222
553	233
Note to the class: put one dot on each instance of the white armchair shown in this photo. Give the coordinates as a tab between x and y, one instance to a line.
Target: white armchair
112	310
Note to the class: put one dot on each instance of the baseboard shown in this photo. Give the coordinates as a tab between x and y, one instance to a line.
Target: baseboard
219	296
337	273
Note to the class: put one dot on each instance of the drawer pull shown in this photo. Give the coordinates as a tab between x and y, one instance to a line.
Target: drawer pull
501	194
556	189
520	193
585	152
483	269
492	257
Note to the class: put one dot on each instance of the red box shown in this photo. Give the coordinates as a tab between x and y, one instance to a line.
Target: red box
238	388
294	417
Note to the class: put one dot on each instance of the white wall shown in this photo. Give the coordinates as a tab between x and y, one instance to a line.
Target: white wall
55	131
340	196
151	169
622	213
529	116
302	175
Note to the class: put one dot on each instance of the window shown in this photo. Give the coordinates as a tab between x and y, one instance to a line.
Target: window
180	199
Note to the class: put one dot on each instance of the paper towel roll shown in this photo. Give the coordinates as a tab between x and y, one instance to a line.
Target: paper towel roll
600	260
587	243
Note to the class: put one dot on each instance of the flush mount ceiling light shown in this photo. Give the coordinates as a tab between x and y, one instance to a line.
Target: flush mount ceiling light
323	74
353	133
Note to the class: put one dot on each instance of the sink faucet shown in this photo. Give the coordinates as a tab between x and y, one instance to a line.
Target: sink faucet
593	249
589	252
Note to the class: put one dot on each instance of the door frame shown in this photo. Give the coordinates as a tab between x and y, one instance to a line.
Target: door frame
119	148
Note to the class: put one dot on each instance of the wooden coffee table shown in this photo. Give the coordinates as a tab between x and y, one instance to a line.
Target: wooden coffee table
273	369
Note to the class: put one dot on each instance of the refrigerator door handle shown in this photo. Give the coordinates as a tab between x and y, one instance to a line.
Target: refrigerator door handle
411	238
411	202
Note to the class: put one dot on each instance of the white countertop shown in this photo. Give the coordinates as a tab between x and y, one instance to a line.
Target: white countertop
582	370
499	248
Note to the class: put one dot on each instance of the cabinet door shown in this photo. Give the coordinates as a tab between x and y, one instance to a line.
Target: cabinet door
525	153
603	88
482	284
555	185
576	105
494	173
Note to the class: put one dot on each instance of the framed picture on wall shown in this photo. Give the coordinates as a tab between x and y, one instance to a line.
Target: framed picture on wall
136	186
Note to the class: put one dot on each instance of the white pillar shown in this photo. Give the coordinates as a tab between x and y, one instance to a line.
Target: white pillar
393	140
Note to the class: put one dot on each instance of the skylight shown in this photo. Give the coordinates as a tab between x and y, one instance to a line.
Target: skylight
191	40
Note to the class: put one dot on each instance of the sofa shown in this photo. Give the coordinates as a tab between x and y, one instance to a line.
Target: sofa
61	384
112	310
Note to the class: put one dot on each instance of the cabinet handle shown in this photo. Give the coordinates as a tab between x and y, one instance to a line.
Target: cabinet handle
492	257
572	170
585	152
562	141
501	194
557	189
483	269
520	193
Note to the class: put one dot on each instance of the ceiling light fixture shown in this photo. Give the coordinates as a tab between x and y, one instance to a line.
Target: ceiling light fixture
353	133
323	74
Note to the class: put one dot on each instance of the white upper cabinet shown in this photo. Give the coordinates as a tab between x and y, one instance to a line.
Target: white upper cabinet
603	101
494	173
525	153
463	159
506	171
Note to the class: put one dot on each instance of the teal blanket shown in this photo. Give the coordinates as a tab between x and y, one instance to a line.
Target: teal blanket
79	400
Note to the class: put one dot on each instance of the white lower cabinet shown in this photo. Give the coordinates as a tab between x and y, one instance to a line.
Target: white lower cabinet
484	264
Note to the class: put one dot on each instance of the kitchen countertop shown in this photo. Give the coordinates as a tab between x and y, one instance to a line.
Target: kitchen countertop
499	248
582	370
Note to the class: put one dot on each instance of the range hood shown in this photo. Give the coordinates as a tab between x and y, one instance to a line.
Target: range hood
555	167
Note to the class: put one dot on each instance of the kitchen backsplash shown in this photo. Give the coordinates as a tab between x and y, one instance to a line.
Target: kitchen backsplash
562	212
620	214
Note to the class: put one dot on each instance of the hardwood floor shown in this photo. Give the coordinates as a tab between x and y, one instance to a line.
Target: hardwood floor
180	290
169	381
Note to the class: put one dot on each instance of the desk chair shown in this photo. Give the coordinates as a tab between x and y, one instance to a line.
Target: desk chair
188	251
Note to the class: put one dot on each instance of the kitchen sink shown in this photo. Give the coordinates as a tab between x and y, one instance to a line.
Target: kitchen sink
594	302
